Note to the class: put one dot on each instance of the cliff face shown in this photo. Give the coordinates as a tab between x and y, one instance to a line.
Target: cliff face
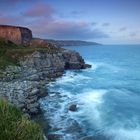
38	64
18	35
23	85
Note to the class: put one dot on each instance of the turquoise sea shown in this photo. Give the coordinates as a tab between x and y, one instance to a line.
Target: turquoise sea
107	96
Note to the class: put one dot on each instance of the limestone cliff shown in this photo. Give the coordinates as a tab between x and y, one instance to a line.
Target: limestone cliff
18	35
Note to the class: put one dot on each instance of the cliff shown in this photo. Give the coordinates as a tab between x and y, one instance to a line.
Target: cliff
18	35
27	70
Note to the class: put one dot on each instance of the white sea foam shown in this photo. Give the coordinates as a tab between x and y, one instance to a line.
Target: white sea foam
96	65
125	134
71	77
91	101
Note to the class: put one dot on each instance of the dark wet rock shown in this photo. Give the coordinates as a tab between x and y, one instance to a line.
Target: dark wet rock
54	137
87	66
73	60
73	107
73	126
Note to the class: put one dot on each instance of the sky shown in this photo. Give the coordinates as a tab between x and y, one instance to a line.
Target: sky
102	21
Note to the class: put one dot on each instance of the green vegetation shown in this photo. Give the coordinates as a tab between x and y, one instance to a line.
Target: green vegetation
10	53
13	126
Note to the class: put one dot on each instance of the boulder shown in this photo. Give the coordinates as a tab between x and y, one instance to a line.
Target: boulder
73	107
87	66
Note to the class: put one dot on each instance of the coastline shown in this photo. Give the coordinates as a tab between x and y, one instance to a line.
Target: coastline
24	85
28	70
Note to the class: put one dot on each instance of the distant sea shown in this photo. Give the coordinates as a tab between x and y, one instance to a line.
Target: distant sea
107	96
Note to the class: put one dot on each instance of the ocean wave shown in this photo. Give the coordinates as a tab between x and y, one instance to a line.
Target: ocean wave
70	77
90	102
97	65
125	134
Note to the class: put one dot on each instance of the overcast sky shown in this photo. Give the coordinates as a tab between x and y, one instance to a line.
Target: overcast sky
103	21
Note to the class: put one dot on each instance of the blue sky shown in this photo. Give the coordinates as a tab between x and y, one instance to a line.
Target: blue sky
103	21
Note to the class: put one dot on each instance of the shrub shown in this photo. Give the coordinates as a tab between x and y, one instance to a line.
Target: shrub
13	126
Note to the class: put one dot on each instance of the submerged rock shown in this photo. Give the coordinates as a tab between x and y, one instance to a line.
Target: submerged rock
73	107
87	66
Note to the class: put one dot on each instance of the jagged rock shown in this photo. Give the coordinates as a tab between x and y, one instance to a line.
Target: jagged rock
73	60
33	108
33	92
73	107
25	84
18	35
87	66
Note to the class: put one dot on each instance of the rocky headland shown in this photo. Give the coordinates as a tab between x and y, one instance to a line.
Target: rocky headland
27	65
61	43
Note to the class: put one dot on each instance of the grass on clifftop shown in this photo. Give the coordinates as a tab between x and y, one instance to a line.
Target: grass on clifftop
10	53
13	126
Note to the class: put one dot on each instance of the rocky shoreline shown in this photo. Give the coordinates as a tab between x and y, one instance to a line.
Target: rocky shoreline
24	85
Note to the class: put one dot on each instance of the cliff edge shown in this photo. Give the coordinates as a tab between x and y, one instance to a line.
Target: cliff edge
16	34
25	71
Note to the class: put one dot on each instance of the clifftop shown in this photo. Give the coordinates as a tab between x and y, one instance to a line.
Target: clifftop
16	34
11	26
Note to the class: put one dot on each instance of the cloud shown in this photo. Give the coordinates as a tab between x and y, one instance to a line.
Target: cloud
39	10
12	3
94	23
68	30
13	7
106	24
17	1
123	29
133	34
9	19
39	17
77	13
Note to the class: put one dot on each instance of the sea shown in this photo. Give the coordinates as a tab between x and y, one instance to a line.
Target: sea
107	96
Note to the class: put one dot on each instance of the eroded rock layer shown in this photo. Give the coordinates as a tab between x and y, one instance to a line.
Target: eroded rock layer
18	35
